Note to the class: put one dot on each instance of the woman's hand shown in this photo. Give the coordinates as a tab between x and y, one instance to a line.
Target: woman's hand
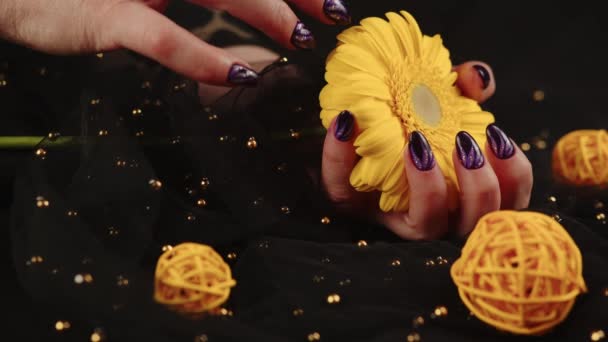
503	180
80	26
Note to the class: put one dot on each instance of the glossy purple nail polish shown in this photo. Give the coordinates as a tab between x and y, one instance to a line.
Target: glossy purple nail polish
240	75
500	143
484	74
302	38
468	151
420	152
344	126
336	10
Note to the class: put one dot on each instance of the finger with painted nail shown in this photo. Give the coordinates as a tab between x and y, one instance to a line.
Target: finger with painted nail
476	80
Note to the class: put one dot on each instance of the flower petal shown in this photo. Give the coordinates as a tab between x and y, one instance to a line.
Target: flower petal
384	137
369	173
383	36
395	201
370	111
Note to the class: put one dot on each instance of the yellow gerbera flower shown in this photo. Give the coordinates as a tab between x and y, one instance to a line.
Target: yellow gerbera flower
396	80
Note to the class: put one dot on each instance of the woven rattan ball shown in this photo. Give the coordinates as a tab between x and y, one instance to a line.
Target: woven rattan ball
519	272
192	278
581	158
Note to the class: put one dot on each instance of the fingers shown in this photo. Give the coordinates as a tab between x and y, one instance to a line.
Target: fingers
273	17
512	168
428	214
475	80
479	187
339	159
137	27
327	11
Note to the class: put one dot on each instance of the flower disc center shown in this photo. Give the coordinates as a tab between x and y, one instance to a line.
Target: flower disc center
426	105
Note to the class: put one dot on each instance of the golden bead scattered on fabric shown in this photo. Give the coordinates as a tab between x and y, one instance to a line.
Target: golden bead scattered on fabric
362	243
97	336
205	183
418	321
538	95
440	311
42	202
103	133
231	256
252	143
519	271
325	220
62	325
597	335
192	278
285	210
525	147
552	199
413	337
581	158
155	184
41	153
315	336
72	213
113	231
333	298
121	281
201	202
297	312
396	262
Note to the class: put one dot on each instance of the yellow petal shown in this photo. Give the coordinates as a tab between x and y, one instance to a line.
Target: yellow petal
327	115
383	37
414	32
358	36
395	201
384	137
370	111
371	172
351	58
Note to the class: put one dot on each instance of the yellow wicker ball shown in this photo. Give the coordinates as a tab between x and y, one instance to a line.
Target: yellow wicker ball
581	158
519	272
192	278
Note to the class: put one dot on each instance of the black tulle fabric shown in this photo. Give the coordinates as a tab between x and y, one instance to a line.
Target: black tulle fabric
134	122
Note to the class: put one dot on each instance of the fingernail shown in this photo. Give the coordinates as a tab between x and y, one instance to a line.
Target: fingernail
344	126
336	10
240	75
484	74
302	38
468	151
500	143
420	152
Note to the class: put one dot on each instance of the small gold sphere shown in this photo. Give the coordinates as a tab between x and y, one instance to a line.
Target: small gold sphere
333	298
362	243
325	220
252	143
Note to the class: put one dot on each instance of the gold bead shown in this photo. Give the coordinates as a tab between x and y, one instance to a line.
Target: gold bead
598	205
155	184
201	338
36	259
213	117
285	210
72	213
103	132
430	263
95	102
418	321
325	220
121	163
600	216
231	256
88	278
295	135
525	147
62	325
113	231
252	143
41	153
146	85
541	144
413	337
597	335
99	55
53	135
333	298
362	243
440	311
318	278
3	83
283	60
396	262
538	95
201	202
297	312
139	133
552	199
605	292
136	112
41	202
78	279
315	336
205	183
191	217
121	281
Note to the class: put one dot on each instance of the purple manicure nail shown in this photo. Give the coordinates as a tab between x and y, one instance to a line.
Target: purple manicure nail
344	126
484	74
302	38
336	10
240	75
420	152
468	151
499	142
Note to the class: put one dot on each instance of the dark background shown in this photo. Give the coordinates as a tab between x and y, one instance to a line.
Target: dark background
558	48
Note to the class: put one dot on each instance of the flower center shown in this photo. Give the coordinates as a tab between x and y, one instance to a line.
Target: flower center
426	105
